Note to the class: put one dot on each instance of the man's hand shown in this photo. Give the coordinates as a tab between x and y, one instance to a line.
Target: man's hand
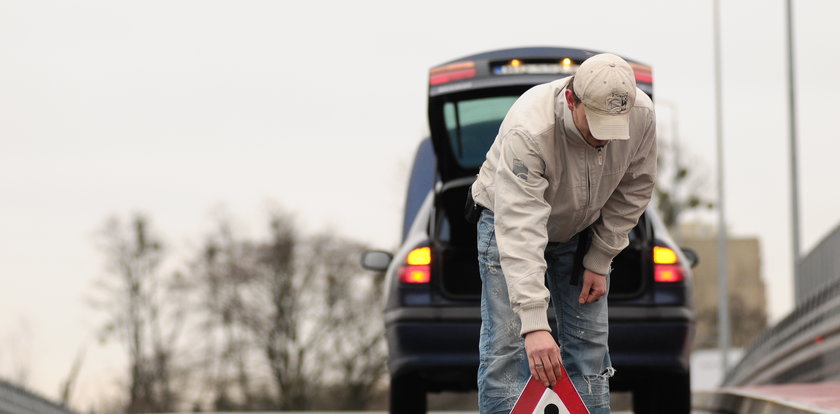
543	357
594	286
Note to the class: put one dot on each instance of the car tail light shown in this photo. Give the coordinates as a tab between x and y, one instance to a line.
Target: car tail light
668	273
417	267
452	72
643	73
666	267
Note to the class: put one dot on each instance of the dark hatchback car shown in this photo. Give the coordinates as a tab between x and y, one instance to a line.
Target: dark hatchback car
433	287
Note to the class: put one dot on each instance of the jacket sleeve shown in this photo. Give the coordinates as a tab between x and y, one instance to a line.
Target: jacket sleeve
622	210
521	214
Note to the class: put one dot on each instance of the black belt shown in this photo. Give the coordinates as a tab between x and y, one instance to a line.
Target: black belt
472	210
584	241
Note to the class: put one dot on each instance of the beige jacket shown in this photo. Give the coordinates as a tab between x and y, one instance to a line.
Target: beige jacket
544	183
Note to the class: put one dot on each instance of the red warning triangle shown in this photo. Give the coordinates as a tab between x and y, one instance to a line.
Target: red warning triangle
562	399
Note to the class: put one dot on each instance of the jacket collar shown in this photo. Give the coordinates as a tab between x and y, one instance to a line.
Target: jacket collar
569	123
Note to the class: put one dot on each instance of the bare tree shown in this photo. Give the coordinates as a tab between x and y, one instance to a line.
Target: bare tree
282	322
290	309
142	315
679	186
352	343
222	277
69	383
277	321
255	305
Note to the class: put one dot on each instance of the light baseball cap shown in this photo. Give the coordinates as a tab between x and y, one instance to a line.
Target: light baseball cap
606	85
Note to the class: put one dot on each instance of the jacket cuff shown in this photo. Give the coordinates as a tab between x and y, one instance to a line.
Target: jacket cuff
534	318
597	260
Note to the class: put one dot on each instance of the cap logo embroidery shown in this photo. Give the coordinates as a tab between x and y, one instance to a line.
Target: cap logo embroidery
617	103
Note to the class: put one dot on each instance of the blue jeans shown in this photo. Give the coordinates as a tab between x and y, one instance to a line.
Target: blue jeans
581	330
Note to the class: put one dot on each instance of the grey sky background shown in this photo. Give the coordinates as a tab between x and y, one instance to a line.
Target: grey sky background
182	109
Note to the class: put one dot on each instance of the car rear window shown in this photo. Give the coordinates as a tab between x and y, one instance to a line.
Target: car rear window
472	126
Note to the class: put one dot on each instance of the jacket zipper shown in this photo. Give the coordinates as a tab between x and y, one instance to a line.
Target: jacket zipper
588	188
589	179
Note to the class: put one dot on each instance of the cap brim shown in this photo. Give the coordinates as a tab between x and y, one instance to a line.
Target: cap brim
608	127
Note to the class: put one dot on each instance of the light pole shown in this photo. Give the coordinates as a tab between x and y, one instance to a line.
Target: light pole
723	277
798	289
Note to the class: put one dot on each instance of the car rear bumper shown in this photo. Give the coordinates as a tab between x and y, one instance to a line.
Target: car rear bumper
473	314
441	343
646	345
443	353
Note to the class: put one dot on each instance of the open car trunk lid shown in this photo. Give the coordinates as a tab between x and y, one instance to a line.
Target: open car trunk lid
469	98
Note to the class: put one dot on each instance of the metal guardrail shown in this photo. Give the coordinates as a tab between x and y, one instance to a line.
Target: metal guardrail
820	266
16	400
802	347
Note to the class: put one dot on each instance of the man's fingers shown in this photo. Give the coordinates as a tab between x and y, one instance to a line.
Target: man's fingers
594	287
538	371
533	368
547	366
556	363
584	292
593	296
555	373
549	370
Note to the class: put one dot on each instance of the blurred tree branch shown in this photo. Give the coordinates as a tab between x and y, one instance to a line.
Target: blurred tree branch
680	185
286	318
141	312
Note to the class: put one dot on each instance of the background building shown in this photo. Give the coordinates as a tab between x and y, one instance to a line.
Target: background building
747	300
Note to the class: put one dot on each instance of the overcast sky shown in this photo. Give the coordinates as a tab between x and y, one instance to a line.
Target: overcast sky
178	109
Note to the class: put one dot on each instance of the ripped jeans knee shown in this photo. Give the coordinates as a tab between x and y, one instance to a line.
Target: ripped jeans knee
594	390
